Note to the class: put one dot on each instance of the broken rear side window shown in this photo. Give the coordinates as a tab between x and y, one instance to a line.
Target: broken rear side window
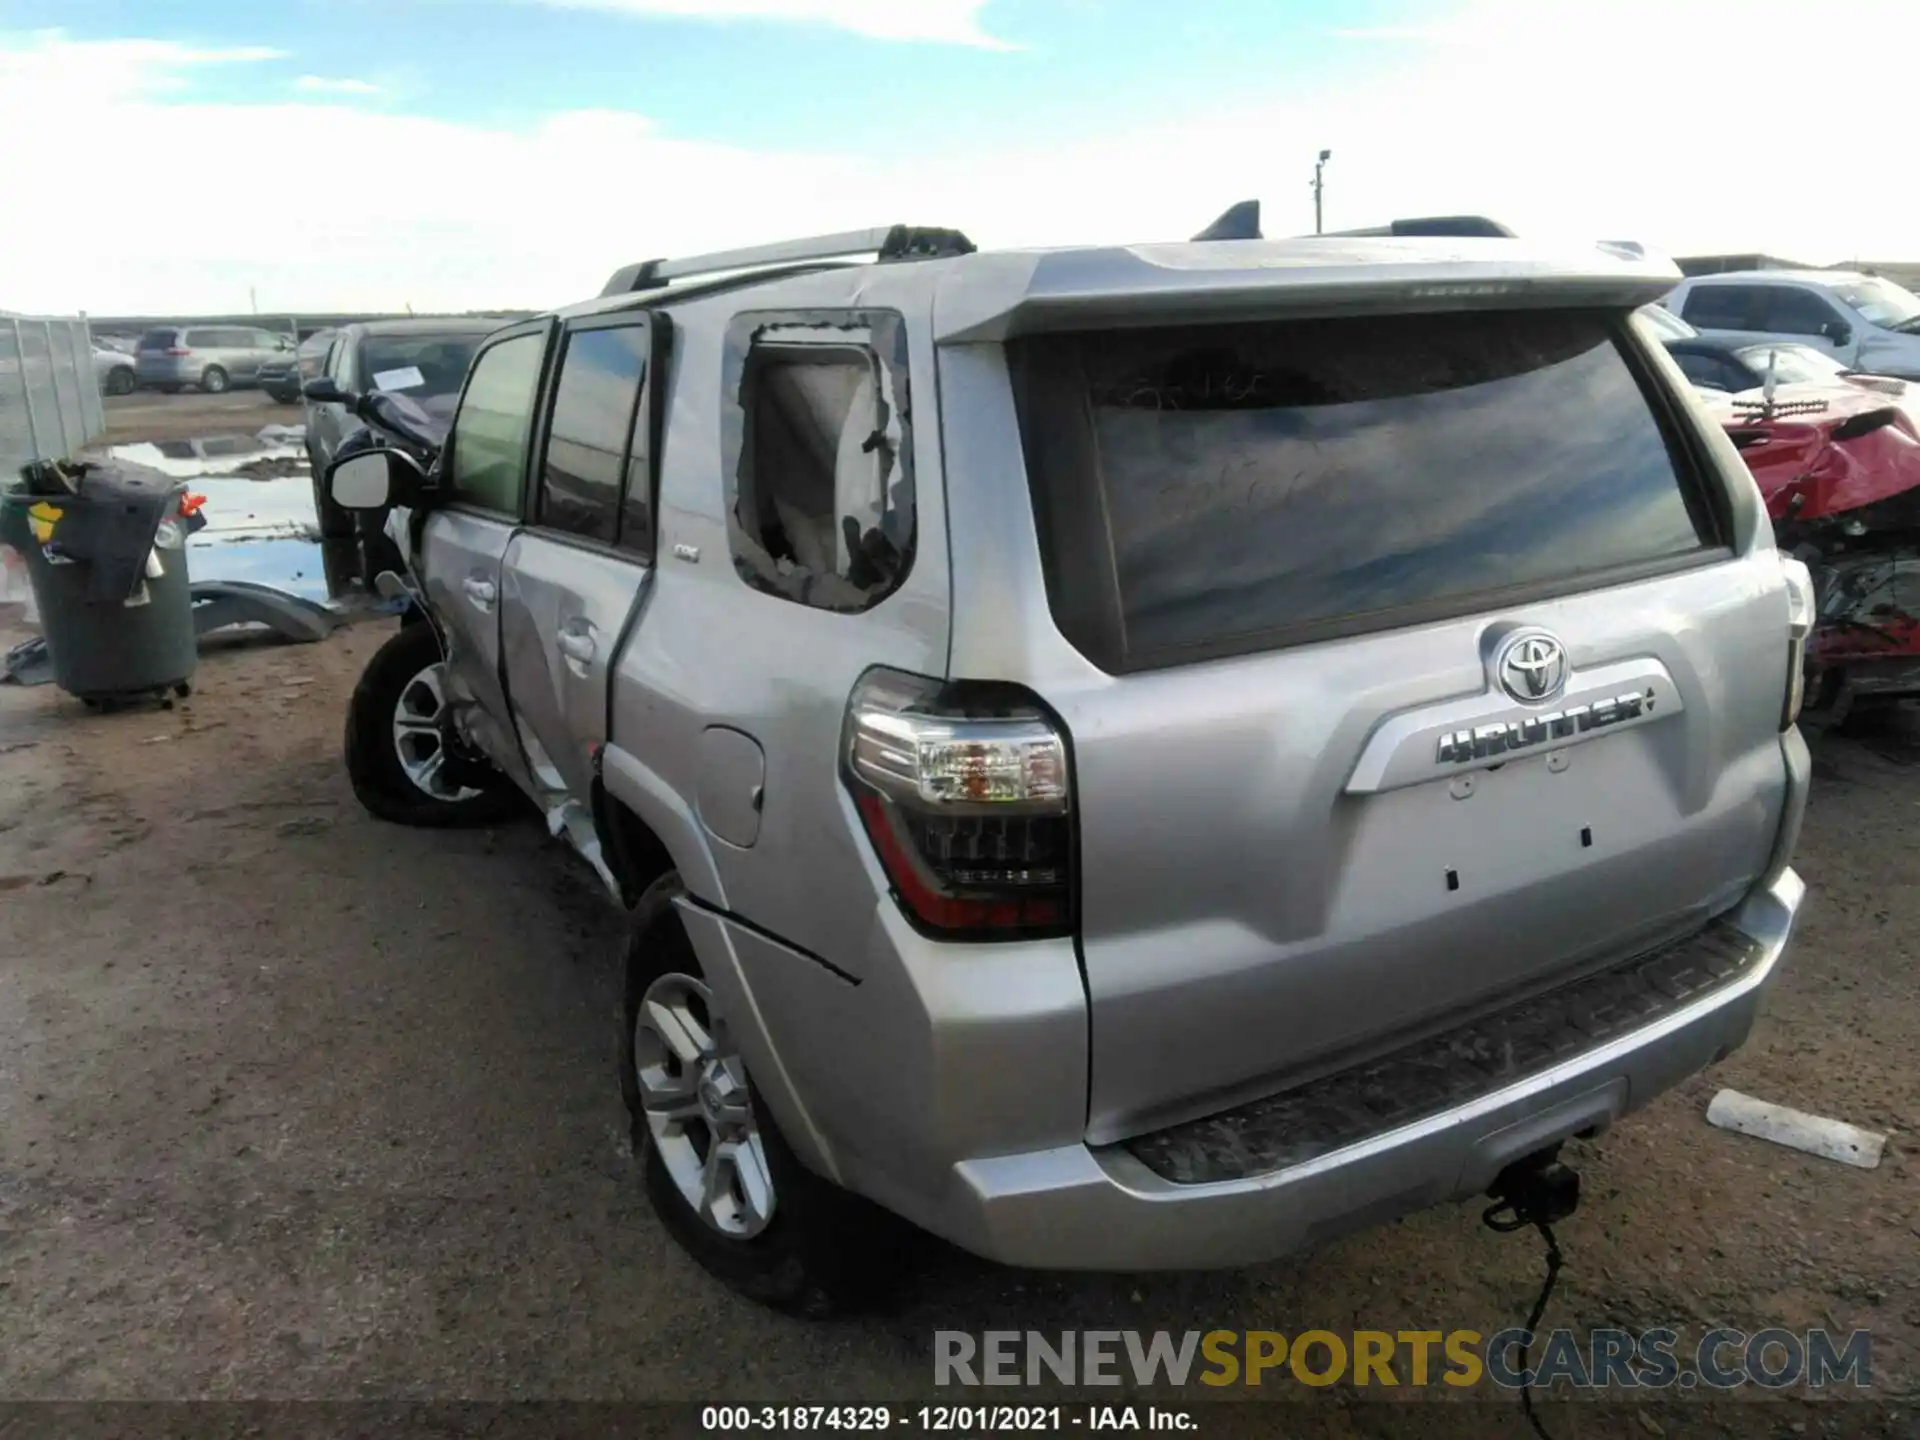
1213	490
822	500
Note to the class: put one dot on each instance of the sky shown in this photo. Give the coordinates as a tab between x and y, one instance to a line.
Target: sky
201	156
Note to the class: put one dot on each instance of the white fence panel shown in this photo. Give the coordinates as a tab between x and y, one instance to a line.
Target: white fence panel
50	404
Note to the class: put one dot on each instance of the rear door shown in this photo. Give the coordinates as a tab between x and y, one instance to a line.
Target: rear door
152	362
1420	674
483	476
574	577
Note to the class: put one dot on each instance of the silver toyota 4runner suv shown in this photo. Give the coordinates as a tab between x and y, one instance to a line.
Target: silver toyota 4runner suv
1130	757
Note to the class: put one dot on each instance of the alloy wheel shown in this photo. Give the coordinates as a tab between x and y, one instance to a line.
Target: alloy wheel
693	1089
419	735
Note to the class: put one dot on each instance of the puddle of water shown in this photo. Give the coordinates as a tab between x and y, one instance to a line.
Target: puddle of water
237	508
296	566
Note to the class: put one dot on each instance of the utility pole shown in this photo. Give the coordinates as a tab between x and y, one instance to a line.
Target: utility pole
253	299
1318	185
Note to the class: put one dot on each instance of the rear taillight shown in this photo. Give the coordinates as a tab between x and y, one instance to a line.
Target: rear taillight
966	791
178	350
1801	607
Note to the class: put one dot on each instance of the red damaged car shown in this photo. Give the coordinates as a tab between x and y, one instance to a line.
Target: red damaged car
1839	466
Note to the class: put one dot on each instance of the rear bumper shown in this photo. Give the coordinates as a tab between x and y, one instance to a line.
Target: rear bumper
1082	1208
949	1084
164	372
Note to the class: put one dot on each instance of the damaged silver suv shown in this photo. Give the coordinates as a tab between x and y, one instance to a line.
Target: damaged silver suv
1129	757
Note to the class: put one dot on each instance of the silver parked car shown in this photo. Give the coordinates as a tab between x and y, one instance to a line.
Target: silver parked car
213	357
113	369
1866	322
1126	757
425	360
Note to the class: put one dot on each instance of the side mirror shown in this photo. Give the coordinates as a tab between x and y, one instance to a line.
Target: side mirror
1838	331
322	390
375	479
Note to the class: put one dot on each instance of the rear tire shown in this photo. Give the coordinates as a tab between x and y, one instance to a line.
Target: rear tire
815	1250
213	381
396	695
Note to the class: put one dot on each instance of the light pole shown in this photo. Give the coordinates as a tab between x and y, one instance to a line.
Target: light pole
1318	186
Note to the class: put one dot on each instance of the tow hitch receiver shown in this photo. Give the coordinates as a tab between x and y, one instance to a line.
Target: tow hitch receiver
1534	1190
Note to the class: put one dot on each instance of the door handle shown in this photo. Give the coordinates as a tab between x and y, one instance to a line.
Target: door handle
480	592
576	641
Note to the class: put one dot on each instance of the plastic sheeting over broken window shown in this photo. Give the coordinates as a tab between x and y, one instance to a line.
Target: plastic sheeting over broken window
822	503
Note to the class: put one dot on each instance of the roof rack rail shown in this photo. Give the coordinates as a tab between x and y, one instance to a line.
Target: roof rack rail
887	243
1451	225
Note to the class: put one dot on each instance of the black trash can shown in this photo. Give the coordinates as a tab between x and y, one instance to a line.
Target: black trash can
105	546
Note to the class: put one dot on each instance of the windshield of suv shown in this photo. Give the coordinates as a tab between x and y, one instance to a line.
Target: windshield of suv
1212	490
441	361
1792	364
1882	302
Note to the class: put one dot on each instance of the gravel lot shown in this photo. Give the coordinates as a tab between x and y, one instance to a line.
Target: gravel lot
297	1105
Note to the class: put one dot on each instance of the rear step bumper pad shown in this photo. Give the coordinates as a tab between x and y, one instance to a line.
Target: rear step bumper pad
1449	1069
1434	1122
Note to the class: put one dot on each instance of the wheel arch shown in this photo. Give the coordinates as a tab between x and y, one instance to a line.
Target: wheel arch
646	830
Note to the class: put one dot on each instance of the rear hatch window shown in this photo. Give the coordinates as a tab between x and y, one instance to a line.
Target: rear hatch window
158	339
1212	490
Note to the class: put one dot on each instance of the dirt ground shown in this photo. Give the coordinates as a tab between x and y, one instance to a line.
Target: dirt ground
149	415
295	1105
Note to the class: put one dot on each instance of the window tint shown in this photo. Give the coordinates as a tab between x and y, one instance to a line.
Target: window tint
489	459
1721	307
824	505
584	473
1240	486
158	339
1793	311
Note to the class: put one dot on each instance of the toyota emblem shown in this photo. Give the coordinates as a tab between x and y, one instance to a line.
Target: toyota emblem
1532	666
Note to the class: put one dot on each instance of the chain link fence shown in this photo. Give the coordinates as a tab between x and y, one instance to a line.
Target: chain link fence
49	394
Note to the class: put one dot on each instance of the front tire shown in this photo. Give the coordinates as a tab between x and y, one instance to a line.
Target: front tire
717	1171
213	381
120	381
398	743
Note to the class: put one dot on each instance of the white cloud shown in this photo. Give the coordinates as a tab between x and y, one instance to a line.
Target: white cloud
949	22
323	85
44	62
1560	132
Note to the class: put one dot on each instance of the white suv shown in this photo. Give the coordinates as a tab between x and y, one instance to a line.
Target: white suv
1868	323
